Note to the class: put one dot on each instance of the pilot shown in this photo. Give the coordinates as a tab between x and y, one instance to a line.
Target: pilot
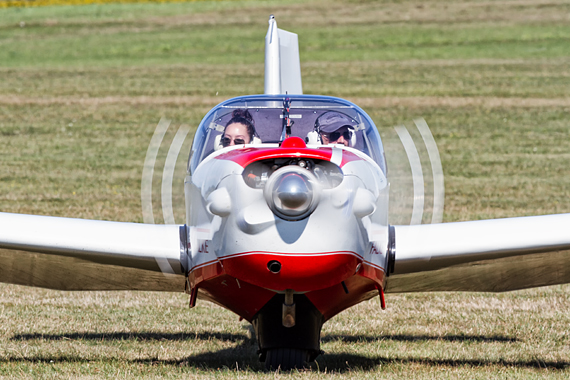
333	127
239	130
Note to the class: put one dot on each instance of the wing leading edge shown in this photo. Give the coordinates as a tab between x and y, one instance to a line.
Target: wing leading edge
486	255
79	254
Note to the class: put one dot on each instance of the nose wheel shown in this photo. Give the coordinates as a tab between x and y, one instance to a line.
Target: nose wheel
284	345
286	359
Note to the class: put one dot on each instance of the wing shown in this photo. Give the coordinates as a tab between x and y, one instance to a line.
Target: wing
79	254
487	255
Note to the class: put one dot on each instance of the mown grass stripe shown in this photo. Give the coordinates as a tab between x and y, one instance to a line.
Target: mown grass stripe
43	3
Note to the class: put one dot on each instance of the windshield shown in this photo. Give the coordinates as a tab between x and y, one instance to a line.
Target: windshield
270	115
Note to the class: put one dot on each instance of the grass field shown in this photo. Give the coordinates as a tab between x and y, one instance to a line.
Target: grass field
82	89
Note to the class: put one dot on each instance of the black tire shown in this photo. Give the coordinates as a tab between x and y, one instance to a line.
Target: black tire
286	359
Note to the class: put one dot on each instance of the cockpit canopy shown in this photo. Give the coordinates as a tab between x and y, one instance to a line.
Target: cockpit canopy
270	111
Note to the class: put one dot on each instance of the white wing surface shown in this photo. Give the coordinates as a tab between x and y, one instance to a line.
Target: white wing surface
79	254
487	255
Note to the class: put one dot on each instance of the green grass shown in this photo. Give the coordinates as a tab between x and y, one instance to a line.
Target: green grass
190	33
161	44
82	89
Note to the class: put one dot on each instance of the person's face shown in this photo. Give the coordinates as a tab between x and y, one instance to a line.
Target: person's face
340	136
235	134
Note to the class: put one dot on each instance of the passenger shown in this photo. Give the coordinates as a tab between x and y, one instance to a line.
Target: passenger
239	130
335	128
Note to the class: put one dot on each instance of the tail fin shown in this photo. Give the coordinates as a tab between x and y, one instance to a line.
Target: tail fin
282	64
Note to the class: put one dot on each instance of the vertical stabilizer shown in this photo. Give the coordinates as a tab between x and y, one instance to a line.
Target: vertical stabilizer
282	63
272	64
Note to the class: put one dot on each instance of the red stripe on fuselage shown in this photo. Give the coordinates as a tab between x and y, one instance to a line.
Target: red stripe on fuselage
348	157
246	156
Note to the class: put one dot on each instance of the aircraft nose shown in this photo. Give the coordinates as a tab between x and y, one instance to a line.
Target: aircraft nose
292	193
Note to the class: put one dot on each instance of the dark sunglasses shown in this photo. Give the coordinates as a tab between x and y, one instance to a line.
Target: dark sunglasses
334	136
226	141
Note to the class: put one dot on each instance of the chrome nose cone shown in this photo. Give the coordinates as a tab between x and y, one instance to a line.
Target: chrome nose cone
292	193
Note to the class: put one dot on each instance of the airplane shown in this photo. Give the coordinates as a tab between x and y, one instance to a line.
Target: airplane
283	229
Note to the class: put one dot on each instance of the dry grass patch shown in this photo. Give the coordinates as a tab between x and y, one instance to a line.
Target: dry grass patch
461	102
125	100
383	102
326	13
102	334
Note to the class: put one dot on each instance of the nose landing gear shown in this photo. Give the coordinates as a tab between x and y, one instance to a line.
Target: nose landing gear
291	347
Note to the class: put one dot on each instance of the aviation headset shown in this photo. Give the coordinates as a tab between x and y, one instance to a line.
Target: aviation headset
314	137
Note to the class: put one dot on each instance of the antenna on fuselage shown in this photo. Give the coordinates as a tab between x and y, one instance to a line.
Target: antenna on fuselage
282	63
